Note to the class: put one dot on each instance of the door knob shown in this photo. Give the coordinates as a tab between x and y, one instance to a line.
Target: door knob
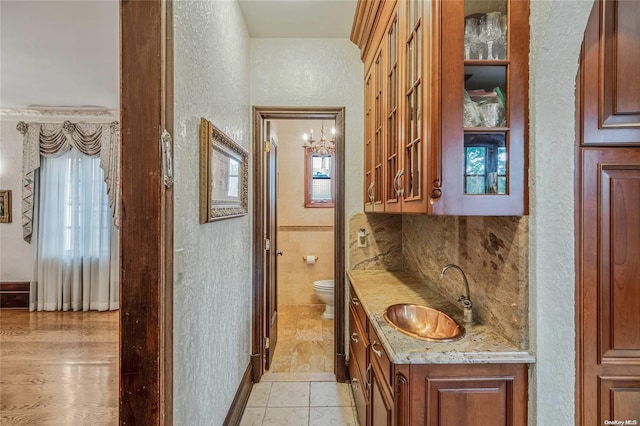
279	253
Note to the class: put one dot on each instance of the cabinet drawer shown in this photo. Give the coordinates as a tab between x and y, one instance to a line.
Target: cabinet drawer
358	342
378	354
359	391
354	303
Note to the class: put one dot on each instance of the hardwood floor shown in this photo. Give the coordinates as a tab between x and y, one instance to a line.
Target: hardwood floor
58	368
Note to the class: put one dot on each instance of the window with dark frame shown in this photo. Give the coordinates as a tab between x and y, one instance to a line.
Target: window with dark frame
319	182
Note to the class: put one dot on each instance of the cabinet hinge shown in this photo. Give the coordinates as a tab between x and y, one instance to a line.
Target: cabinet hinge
167	158
267	146
266	343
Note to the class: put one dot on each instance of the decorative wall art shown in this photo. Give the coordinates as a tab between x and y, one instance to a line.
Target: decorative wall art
224	175
5	206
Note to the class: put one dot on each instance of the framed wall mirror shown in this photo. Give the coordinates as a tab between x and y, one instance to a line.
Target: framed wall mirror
224	175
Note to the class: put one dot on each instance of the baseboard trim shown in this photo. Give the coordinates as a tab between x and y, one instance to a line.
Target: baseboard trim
240	400
341	370
14	295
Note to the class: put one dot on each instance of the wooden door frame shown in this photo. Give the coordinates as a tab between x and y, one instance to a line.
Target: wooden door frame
261	113
271	259
146	230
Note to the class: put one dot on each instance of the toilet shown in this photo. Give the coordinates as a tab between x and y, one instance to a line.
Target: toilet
324	290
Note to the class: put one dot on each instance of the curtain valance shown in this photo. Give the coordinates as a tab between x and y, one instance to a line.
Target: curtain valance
54	139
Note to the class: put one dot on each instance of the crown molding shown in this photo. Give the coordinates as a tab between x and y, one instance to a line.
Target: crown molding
61	113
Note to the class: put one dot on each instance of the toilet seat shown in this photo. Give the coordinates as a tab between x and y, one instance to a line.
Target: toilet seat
323	284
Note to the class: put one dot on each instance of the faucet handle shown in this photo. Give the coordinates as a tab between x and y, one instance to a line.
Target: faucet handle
465	302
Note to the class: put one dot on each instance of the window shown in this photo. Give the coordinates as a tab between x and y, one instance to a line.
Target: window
319	182
74	192
75	242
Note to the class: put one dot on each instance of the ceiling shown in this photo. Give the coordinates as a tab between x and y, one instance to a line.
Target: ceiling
298	18
66	53
59	53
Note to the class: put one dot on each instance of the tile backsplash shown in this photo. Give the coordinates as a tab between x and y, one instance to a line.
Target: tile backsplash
383	239
493	252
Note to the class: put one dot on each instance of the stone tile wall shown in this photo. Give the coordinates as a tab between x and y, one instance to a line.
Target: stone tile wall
383	242
493	252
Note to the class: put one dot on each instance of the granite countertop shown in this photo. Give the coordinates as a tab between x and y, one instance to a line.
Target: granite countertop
377	289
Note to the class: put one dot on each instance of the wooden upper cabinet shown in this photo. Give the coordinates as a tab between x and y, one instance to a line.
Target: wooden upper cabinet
453	116
484	113
610	87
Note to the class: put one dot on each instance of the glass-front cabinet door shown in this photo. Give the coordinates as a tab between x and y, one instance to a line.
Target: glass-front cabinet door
368	141
484	104
374	136
415	36
392	154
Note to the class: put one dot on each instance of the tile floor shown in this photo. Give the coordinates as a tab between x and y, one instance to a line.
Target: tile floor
300	388
305	340
299	403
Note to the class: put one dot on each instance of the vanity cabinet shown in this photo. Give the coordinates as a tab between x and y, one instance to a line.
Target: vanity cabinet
429	394
358	358
446	86
370	366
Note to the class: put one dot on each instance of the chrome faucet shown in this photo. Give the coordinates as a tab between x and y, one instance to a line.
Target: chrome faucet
465	300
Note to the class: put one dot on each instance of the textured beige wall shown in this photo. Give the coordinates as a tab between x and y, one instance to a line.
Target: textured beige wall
16	259
291	210
557	30
212	295
295	276
301	231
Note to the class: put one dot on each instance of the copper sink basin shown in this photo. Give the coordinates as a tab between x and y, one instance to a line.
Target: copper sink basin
423	323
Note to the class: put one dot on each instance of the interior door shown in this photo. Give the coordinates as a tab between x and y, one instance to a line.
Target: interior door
608	221
271	242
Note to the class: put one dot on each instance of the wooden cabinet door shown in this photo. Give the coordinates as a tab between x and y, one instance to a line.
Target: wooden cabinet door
413	175
609	285
609	83
466	401
392	153
378	135
480	395
369	95
374	134
359	391
381	401
608	216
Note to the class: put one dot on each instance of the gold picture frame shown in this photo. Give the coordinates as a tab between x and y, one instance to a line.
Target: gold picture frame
5	206
224	175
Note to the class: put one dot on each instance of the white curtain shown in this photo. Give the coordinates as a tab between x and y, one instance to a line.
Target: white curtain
76	245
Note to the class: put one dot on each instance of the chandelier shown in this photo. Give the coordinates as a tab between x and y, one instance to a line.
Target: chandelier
321	147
